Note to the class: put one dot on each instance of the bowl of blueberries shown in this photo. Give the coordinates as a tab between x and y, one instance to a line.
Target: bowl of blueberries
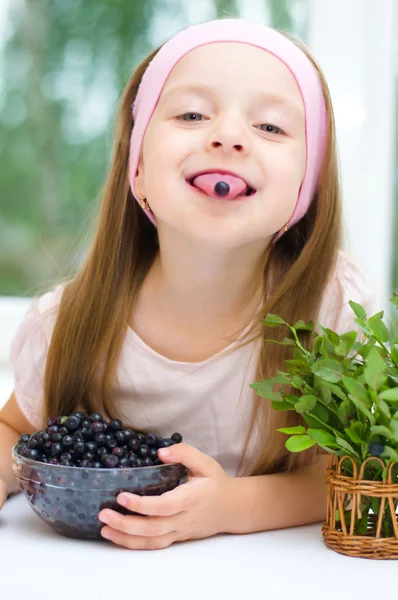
80	463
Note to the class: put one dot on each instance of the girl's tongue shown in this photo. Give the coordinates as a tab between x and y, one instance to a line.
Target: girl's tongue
209	181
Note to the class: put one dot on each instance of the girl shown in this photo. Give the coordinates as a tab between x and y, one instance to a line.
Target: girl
222	204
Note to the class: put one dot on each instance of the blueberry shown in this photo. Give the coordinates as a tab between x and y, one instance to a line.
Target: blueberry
165	443
56	449
96	465
115	425
67	441
85	463
128	434
79	448
57	437
111	461
148	462
119	452
151	440
87	433
100	439
33	442
33	454
91	446
376	449
111	444
120	437
95	417
63	431
52	430
24	439
89	456
72	423
141	438
143	451
80	415
98	427
77	436
136	462
51	421
153	453
66	456
134	444
177	438
124	462
102	450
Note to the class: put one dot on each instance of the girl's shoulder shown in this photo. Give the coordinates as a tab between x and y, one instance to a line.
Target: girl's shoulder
349	281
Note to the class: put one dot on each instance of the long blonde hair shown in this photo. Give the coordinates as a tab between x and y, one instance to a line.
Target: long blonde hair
93	313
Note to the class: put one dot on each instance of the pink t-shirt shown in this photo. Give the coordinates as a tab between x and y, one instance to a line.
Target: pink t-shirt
208	402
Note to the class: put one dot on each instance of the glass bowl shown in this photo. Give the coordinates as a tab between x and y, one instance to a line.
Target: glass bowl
69	499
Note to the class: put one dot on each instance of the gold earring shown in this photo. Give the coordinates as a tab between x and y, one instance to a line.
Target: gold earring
286	227
144	202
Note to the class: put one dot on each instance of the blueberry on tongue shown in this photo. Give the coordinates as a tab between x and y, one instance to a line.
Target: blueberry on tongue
221	188
214	183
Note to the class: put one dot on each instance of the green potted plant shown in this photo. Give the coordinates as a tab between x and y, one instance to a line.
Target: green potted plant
346	392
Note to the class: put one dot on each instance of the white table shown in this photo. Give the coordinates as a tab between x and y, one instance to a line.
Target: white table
294	564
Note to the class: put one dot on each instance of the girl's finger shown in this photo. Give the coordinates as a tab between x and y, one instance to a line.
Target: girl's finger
170	503
3	492
139	526
134	542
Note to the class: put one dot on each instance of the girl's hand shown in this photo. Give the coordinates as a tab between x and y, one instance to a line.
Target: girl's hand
3	493
197	509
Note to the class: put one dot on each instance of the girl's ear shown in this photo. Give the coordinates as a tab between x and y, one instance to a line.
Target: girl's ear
139	178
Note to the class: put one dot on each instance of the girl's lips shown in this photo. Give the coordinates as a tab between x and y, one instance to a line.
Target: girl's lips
240	198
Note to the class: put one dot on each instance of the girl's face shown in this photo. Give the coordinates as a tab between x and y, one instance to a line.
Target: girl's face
225	106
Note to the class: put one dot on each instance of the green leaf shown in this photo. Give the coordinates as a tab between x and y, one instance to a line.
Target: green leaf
374	370
298	443
322	437
362	408
394	429
292	430
358	309
328	369
337	391
63	420
353	435
285	342
381	430
306	403
384	408
346	343
281	378
344	444
281	406
394	353
273	321
389	453
378	328
265	390
391	394
300	325
358	390
317	345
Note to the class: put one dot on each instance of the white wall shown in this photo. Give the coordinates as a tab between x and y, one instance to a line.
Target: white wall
355	44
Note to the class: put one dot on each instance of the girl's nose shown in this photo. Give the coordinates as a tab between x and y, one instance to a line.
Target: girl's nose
228	138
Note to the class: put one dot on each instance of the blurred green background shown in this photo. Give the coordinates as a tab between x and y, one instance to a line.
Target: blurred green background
64	65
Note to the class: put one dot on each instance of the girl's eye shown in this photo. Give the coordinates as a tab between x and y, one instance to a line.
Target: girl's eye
190	116
269	127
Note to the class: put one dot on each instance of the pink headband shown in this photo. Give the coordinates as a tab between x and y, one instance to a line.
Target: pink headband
247	32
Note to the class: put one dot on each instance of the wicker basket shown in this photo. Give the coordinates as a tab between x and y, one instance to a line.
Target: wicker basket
347	497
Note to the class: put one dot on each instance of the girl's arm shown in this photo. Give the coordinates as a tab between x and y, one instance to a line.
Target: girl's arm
280	500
